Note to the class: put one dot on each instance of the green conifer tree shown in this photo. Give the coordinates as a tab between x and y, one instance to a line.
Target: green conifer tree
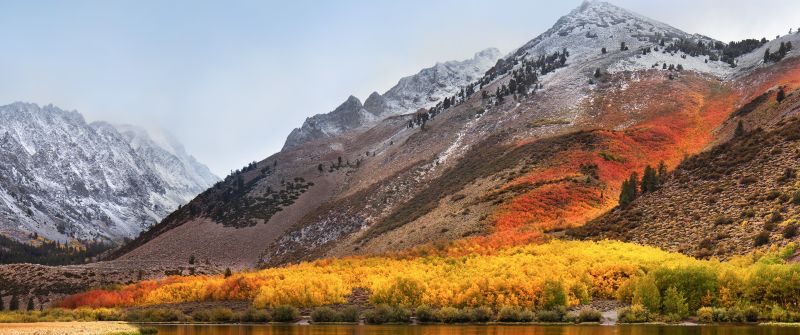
739	129
30	305
649	180
13	305
662	173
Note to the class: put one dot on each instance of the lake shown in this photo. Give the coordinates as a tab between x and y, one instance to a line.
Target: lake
473	330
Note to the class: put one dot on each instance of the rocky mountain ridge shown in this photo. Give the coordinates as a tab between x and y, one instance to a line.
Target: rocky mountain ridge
63	179
421	90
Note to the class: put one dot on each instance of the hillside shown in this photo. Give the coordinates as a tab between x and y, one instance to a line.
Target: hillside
732	199
541	142
68	181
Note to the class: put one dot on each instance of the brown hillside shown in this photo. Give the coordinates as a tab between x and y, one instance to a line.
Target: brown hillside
740	195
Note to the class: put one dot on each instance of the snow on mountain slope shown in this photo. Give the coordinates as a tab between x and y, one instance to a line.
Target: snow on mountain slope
422	90
168	158
595	25
65	179
433	84
351	114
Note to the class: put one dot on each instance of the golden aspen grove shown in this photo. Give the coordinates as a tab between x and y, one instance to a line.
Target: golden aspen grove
524	276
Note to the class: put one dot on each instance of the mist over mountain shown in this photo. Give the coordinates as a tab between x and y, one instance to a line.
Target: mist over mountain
65	179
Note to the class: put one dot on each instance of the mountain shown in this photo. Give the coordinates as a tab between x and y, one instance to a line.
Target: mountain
422	90
64	179
169	161
539	143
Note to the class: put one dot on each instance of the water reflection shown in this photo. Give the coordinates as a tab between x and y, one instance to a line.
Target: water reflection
471	330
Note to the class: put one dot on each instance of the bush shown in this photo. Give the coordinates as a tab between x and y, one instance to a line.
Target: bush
452	315
156	315
719	314
571	317
634	314
379	315
581	292
692	282
285	313
735	314
722	220
481	314
201	315
589	315
324	314
109	314
762	238
705	315
645	293
779	314
400	315
385	314
675	305
549	316
254	316
554	295
790	231
60	314
214	315
796	197
426	314
750	314
349	314
402	291
222	315
514	314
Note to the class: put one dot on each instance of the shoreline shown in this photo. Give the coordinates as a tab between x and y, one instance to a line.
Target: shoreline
119	327
69	328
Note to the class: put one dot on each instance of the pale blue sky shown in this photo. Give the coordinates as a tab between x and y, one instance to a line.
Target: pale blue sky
230	79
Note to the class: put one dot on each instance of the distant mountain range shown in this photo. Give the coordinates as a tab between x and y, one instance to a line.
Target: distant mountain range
63	179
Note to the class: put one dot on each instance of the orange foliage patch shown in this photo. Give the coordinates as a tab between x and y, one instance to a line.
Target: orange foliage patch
675	122
110	298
